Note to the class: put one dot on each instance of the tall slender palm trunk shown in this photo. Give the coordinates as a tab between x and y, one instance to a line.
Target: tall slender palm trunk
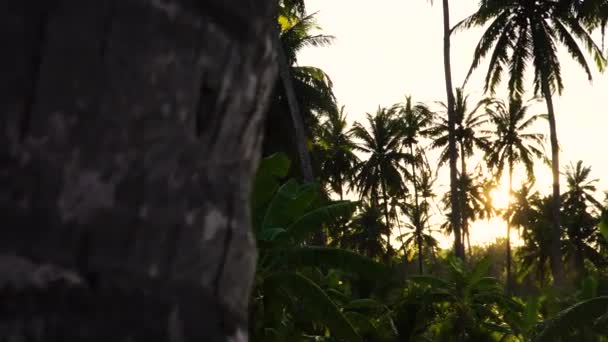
298	125
388	222
455	217
417	220
341	182
463	201
295	113
509	282
555	255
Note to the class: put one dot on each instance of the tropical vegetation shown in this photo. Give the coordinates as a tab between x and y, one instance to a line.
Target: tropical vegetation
349	214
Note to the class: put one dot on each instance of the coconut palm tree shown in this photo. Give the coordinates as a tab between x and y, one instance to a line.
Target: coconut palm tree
365	231
523	31
475	201
581	211
594	14
301	90
513	144
455	216
426	183
417	238
382	173
468	124
415	119
335	147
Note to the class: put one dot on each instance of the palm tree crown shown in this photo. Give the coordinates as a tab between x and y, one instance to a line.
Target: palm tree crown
382	174
522	31
513	143
581	189
468	123
336	148
382	142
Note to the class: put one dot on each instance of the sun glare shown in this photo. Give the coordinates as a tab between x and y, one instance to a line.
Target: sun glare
500	198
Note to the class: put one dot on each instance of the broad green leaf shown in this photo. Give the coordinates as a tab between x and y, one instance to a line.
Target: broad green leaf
589	287
317	303
498	328
575	317
289	203
341	259
361	322
365	303
271	234
531	313
266	182
505	302
306	225
337	295
481	269
433	282
486	284
604	227
457	268
601	324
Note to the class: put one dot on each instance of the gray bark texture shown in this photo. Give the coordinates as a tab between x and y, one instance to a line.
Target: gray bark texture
130	131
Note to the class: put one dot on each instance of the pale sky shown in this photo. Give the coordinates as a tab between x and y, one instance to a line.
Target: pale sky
388	48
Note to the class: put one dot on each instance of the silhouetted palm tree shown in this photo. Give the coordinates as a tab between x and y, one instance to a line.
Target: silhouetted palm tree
523	31
594	14
533	215
581	211
416	238
475	200
382	173
301	90
415	120
335	146
365	231
455	216
513	144
468	125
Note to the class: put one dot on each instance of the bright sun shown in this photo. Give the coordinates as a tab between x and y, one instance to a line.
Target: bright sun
500	198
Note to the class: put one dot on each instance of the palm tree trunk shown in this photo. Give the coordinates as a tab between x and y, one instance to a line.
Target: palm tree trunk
401	234
453	154
298	126
470	250
296	114
579	260
555	255
509	282
388	222
463	199
417	220
124	220
341	187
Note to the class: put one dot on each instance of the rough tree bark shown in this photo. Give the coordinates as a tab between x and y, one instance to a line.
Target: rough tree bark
129	134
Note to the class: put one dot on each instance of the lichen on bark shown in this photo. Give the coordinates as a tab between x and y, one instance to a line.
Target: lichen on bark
122	173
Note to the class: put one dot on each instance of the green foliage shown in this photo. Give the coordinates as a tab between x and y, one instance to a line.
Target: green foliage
316	303
291	291
343	260
305	292
266	182
604	228
467	304
590	313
